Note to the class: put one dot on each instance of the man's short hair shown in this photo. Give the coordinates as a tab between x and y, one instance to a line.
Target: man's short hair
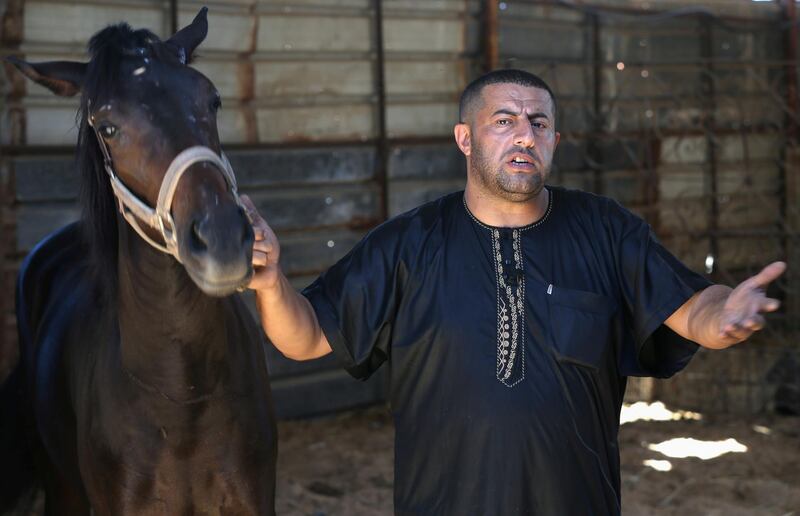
472	92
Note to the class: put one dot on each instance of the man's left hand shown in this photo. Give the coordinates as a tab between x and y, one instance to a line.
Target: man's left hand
741	314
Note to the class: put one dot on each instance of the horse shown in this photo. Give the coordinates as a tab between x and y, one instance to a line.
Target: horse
142	385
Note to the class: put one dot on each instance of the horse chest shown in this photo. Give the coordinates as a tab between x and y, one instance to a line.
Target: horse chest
206	461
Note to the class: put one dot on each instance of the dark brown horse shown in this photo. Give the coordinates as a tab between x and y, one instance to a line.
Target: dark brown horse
142	385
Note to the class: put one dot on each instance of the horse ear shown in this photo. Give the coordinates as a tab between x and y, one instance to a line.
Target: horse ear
64	78
190	37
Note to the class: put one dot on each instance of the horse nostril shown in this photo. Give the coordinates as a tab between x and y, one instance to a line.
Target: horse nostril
198	241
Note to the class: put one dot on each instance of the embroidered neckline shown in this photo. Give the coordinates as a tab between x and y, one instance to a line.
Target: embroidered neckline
521	228
511	329
510	282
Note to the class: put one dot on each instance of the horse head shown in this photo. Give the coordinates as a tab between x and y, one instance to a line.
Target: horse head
150	122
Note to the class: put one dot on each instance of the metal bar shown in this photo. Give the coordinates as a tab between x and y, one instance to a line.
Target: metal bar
491	47
789	161
636	14
173	16
593	147
709	119
791	69
382	144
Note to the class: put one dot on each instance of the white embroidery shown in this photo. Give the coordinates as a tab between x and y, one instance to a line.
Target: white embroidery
511	328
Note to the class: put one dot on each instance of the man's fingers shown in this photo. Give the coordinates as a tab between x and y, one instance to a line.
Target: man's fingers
769	274
252	213
736	332
263	246
754	323
259	258
769	305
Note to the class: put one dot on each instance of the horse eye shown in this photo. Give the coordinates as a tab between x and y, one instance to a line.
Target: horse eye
108	131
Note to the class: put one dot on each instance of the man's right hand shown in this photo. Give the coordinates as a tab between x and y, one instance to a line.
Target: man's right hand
266	250
286	316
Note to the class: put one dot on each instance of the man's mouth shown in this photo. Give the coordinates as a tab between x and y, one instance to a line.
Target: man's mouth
521	162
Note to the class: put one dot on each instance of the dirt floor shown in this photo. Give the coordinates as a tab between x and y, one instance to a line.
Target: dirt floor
342	465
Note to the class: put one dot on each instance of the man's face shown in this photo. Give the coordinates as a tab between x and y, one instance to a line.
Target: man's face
509	141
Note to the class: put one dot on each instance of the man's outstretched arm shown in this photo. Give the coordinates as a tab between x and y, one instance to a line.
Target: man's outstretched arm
286	316
718	316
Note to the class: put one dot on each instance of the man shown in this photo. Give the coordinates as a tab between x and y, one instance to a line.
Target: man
510	315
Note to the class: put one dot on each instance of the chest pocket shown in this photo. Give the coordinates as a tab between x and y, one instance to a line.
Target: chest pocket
580	325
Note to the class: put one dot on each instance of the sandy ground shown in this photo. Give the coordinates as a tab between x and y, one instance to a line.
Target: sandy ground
342	465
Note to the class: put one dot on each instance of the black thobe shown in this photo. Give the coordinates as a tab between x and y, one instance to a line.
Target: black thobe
508	348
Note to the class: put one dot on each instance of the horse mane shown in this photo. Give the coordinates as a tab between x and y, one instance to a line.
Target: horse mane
98	223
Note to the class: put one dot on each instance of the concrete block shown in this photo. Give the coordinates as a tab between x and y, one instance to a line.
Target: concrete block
230	29
551	13
683	150
51	124
427	162
748	252
638	82
268	168
622	185
421	119
232	76
650	44
745	45
45	179
333	205
738	80
36	221
653	115
406	195
313	33
540	40
564	79
73	24
734	111
310	252
425	77
570	155
736	148
235	125
340	122
423	35
311	78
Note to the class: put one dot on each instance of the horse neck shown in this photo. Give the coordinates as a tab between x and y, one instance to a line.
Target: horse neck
172	335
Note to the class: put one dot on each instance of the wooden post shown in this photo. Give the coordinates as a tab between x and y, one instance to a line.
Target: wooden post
382	158
11	36
491	47
790	208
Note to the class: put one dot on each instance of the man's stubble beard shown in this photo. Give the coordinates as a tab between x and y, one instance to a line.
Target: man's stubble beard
512	187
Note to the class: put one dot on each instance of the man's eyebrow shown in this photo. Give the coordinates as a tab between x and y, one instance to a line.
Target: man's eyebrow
506	111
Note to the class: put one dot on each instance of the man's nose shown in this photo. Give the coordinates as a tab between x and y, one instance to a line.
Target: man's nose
524	135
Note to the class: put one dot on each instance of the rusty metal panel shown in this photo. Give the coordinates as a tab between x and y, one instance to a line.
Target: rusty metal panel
427	35
315	123
431	77
74	23
421	119
313	33
310	78
232	28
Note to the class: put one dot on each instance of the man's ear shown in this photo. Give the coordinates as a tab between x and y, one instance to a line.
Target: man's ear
463	137
558	139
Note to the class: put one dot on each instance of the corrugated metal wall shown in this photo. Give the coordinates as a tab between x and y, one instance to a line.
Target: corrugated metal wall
301	121
681	117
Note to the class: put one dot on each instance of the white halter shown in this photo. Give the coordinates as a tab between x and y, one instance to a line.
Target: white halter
160	219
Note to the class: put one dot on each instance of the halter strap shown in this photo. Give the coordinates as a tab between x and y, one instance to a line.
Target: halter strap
134	210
